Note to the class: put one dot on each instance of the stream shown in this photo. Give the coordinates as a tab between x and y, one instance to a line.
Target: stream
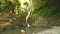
33	30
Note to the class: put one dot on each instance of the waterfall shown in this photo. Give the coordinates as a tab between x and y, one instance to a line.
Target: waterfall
29	9
28	14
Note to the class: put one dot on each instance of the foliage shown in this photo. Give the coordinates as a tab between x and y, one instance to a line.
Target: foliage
47	8
7	5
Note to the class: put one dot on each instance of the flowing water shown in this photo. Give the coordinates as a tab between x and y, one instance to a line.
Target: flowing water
28	8
29	11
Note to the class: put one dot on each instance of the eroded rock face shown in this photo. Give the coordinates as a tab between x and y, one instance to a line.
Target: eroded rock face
6	21
5	25
54	22
37	20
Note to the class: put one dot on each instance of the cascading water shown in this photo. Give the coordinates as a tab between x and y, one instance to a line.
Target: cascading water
29	9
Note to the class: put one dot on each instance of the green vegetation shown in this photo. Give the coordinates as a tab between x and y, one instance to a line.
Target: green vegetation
43	13
47	8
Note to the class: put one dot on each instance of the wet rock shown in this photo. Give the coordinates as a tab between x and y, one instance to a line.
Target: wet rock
5	25
37	20
54	30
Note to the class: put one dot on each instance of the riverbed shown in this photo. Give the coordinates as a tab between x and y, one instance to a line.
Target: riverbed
33	30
